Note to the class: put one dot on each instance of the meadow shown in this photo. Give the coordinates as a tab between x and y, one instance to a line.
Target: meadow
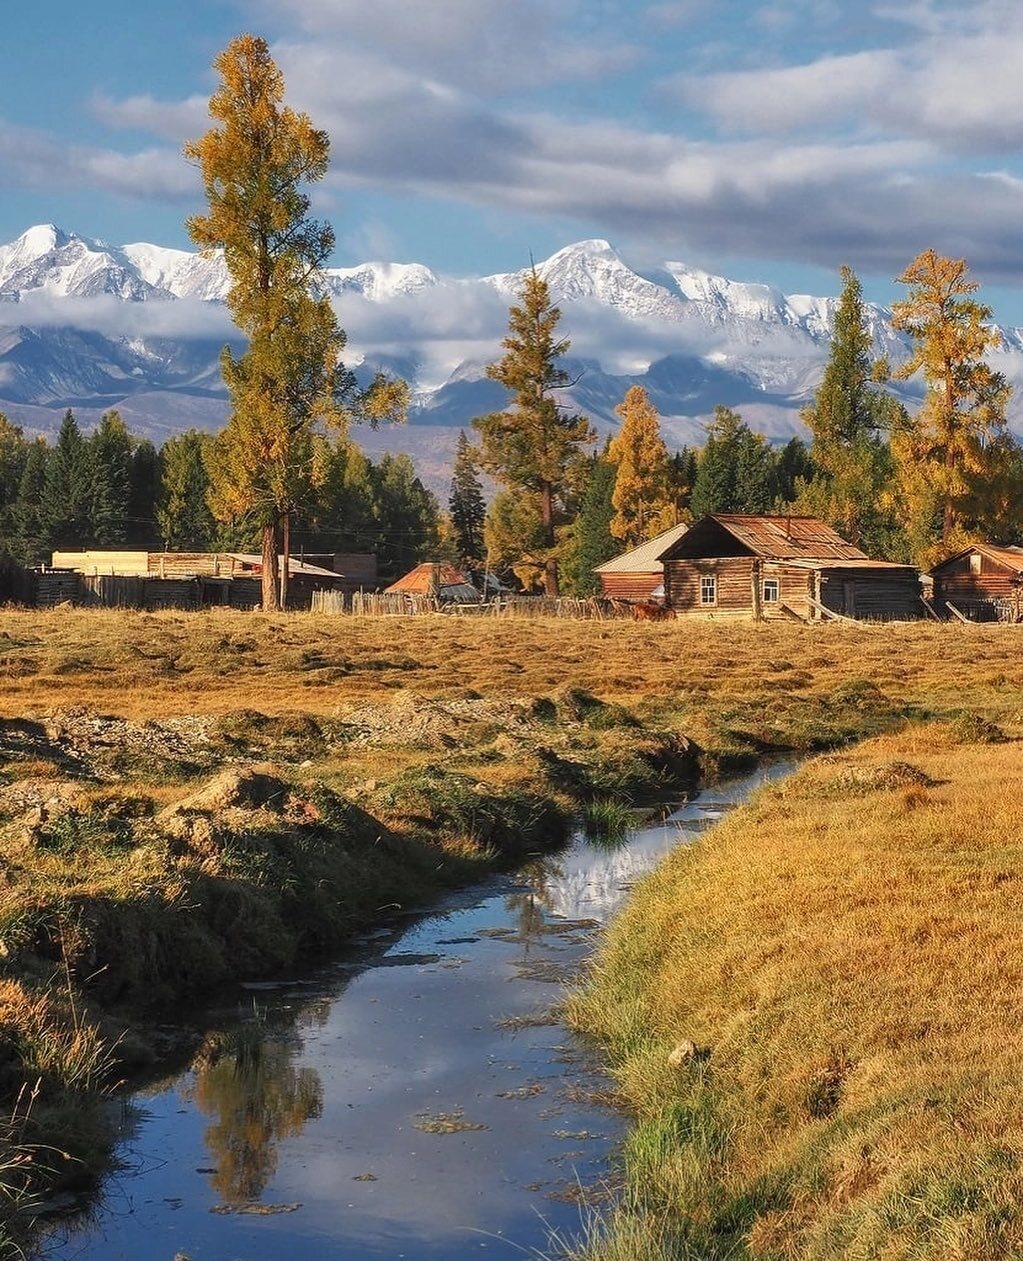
187	798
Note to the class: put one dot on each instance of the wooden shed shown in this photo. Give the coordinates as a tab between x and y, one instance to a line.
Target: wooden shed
443	582
982	582
638	574
736	565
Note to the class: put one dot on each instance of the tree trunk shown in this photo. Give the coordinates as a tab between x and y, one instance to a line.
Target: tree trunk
271	594
550	579
286	558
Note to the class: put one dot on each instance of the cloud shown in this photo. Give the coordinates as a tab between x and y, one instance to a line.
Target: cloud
35	159
174	318
177	121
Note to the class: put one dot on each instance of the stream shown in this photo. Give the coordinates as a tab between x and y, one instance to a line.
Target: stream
415	1098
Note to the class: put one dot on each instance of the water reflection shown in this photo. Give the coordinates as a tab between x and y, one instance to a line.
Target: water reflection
532	904
247	1079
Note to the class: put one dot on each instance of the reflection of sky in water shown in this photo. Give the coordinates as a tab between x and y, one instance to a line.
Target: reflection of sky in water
393	1043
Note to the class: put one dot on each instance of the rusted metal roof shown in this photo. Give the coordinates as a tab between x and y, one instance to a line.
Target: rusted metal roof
770	537
645	558
296	568
789	538
856	563
422	581
1010	557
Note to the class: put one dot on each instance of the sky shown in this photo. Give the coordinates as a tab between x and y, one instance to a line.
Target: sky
769	141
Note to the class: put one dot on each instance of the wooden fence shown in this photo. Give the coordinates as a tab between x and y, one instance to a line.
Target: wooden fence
403	604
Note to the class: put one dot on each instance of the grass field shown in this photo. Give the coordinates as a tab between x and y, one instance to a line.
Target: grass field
412	752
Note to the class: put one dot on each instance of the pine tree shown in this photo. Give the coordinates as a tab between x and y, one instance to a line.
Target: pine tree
641	459
681	479
467	508
516	537
735	471
847	419
183	512
142	531
591	541
65	513
109	455
532	448
943	453
31	527
406	515
255	162
13	453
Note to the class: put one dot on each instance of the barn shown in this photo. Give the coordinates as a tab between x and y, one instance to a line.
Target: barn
738	565
638	575
982	582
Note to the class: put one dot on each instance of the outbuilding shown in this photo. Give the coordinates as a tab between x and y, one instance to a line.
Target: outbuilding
739	565
441	582
982	582
638	575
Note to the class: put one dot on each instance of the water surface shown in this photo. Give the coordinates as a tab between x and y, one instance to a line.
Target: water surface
413	1099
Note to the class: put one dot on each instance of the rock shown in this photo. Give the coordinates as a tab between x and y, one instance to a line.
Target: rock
684	1054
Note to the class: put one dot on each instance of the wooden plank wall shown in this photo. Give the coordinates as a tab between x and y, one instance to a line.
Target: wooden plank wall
734	586
957	582
625	586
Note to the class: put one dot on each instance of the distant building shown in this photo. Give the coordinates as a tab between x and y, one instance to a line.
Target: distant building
638	575
739	565
443	582
982	582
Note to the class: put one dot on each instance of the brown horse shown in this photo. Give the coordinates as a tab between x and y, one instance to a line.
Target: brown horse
649	612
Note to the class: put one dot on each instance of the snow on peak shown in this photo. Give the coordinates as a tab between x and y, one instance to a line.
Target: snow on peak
40	239
380	282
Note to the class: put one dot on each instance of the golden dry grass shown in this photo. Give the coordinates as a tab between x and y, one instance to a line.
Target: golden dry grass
852	960
152	664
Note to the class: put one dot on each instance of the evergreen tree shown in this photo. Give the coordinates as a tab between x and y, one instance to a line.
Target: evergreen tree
109	456
467	509
848	417
31	525
343	517
735	469
406	515
641	459
591	541
255	162
183	513
13	453
793	469
680	481
144	495
65	513
531	449
943	454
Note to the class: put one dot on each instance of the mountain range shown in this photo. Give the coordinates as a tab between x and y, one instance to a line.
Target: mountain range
139	327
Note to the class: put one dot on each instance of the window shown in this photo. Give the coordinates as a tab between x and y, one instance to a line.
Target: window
975	562
708	589
772	591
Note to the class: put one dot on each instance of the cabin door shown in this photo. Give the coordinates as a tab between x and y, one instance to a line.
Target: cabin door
849	599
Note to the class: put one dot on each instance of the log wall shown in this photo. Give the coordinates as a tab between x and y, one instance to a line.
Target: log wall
734	576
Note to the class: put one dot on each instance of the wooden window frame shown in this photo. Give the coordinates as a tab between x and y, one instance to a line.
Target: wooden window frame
712	579
976	563
774	583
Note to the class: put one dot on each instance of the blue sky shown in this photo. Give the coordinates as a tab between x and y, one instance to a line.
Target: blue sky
769	141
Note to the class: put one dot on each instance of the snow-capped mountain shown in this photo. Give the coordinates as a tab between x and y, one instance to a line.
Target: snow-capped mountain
91	325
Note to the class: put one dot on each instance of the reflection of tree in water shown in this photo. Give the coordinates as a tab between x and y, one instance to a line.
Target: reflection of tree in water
532	903
247	1080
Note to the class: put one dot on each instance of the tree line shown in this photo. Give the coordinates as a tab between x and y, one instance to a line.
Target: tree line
112	489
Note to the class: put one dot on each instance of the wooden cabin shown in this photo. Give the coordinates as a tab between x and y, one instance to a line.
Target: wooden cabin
737	565
443	583
983	583
638	575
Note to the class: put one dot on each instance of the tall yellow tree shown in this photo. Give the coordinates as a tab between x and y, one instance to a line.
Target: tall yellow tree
255	162
945	453
641	458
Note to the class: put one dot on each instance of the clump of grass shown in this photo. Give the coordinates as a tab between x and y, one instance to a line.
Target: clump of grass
606	822
967	727
882	777
446	1123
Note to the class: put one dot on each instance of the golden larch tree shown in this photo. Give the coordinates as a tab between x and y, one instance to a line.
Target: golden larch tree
641	481
944	454
256	162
